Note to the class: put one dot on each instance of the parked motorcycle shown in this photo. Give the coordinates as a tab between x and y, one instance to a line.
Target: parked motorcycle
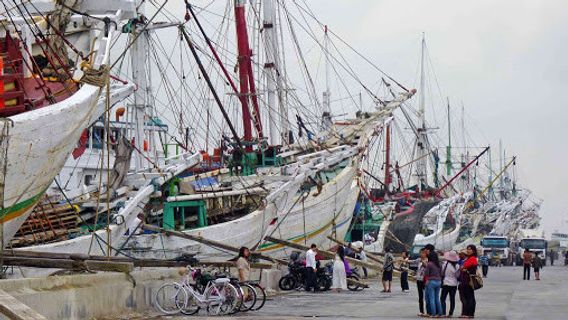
295	278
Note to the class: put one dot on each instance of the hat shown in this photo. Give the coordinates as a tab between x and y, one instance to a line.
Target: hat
451	256
357	245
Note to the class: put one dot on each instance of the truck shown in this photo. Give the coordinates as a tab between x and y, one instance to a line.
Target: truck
498	248
533	240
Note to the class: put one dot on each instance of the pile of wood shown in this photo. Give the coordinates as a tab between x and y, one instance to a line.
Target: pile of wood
48	222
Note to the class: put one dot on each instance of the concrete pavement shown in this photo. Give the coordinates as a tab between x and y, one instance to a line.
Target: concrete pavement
504	296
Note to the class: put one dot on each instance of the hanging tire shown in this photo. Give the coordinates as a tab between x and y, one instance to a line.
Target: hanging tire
287	283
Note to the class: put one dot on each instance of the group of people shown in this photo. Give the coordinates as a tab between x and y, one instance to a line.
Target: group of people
437	280
531	260
553	255
340	269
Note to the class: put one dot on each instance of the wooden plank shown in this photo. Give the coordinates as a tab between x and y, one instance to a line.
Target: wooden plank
16	310
136	262
208	242
69	264
370	256
326	254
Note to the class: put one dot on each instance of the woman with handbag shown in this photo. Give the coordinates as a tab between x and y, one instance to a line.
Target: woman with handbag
466	289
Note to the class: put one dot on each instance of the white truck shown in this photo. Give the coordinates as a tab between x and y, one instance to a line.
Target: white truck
498	249
532	239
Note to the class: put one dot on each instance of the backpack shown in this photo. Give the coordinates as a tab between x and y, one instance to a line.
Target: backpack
444	272
389	266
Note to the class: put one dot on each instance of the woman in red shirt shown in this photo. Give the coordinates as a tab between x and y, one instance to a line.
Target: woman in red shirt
466	291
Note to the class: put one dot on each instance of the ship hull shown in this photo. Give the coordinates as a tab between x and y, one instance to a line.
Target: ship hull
329	211
403	229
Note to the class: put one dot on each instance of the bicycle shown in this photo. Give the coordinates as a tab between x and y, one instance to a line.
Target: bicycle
258	289
219	296
247	293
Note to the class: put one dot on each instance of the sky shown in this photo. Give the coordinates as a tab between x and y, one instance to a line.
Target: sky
505	60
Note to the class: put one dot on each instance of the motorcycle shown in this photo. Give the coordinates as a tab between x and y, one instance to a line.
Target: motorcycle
294	279
324	277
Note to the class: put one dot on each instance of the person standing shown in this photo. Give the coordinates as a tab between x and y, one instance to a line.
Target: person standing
387	271
404	272
467	294
433	283
311	268
429	248
484	261
449	281
552	257
462	257
339	280
243	264
527	261
537	264
363	258
422	261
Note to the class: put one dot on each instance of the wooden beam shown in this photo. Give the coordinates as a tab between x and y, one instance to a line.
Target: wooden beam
208	242
148	263
69	264
326	254
370	256
16	310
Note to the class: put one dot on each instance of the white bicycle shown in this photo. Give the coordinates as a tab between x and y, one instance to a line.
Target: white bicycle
219	297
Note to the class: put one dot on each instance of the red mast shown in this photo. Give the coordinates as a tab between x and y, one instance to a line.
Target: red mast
246	76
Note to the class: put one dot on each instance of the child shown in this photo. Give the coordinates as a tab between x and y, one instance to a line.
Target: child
537	264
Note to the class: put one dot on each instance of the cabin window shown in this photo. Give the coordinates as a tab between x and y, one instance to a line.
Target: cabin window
88	179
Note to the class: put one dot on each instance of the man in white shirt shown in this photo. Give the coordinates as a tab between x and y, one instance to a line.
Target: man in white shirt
311	267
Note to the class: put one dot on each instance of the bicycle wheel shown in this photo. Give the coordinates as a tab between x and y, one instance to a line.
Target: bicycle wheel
287	283
352	286
190	307
241	294
260	297
249	297
169	298
222	299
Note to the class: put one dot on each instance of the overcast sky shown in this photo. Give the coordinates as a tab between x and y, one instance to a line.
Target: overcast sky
506	60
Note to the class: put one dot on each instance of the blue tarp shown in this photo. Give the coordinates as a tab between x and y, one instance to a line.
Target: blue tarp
204	183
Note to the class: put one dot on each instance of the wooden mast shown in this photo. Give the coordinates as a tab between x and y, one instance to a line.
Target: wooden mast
246	76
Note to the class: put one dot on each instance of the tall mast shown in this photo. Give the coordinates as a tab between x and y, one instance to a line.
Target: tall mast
465	152
139	76
246	76
490	178
387	160
501	164
326	116
327	93
422	134
449	147
277	112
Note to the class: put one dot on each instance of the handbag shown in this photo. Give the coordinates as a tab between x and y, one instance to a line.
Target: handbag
475	280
